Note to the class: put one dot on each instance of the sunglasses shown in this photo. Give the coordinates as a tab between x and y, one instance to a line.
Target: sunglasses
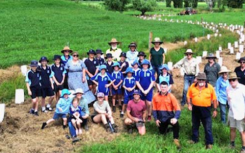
66	51
75	55
201	80
232	80
188	54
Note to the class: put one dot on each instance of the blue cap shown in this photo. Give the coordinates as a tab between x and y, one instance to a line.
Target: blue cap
135	62
65	92
164	66
43	58
34	63
145	62
137	92
116	64
129	70
102	67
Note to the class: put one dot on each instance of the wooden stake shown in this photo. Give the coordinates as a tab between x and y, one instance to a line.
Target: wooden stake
150	40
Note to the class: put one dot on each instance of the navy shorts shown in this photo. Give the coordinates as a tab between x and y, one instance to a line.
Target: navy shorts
36	92
127	98
116	92
147	97
57	116
58	88
105	91
90	83
47	92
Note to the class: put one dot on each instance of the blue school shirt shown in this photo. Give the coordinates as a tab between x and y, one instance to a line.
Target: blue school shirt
136	73
46	74
64	104
33	78
102	80
220	90
129	83
145	78
59	72
118	76
168	78
64	60
74	110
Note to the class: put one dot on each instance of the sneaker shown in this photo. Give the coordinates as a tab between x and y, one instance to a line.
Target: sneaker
114	109
192	142
130	130
44	111
114	126
86	127
36	113
210	147
176	142
120	107
49	109
75	139
121	115
149	118
32	111
43	126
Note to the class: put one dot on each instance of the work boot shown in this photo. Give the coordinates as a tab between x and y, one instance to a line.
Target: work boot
107	127
43	125
114	126
121	115
176	142
120	107
86	127
209	146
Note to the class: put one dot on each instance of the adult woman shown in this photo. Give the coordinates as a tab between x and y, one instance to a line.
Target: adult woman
240	71
221	84
212	69
157	55
132	53
102	112
77	79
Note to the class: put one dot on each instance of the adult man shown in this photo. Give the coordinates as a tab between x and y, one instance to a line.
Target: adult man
164	106
116	52
136	114
236	100
240	70
190	67
200	97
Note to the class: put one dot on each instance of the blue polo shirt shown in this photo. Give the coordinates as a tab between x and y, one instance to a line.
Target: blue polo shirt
102	80
109	67
136	73
129	83
46	74
145	78
59	72
100	61
91	65
118	76
168	78
64	60
33	78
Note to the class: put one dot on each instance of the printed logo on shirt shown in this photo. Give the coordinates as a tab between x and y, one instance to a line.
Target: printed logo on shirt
61	68
148	74
105	79
38	75
94	62
47	71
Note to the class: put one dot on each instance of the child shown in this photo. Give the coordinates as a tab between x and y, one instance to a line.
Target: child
91	70
47	83
129	85
33	86
62	108
109	63
99	58
116	86
76	115
136	69
145	82
124	65
59	76
164	76
103	80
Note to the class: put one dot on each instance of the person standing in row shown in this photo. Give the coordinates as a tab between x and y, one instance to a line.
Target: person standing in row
240	70
190	67
123	63
157	55
132	54
98	57
212	69
114	50
109	63
236	115
200	97
165	76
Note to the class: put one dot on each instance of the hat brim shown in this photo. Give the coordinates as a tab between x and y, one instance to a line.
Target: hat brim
78	93
122	56
33	65
201	78
233	78
56	58
108	57
211	57
109	43
132	46
228	71
43	60
99	53
66	50
137	94
153	42
90	53
141	55
188	53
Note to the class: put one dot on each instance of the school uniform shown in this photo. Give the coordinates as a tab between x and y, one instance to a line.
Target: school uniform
59	73
109	67
91	67
136	73
100	61
74	110
123	69
102	81
34	80
46	74
118	76
145	78
129	83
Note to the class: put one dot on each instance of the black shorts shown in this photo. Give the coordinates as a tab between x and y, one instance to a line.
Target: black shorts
36	92
92	117
65	85
90	83
58	88
47	92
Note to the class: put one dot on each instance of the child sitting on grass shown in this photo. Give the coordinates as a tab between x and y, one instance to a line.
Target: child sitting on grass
62	108
76	115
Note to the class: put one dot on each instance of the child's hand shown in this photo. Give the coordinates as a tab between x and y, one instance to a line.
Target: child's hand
107	85
52	86
29	93
60	110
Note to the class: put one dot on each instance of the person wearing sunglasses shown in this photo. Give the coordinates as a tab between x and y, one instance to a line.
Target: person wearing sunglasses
236	114
200	97
64	59
76	71
191	68
240	70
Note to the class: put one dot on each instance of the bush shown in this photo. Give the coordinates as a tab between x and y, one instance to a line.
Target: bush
116	5
144	6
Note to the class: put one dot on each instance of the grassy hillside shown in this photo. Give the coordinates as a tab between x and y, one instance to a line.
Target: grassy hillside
32	28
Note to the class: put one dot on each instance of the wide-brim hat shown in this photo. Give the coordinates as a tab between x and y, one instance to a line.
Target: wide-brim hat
43	58
188	51
201	76
164	66
100	94
224	70
34	63
79	90
57	57
66	48
211	56
241	59
129	70
114	40
233	76
135	62
116	64
65	92
123	55
137	92
91	51
98	51
133	44
157	40
141	54
145	62
102	67
108	55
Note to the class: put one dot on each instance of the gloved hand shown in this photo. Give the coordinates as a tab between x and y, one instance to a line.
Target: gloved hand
173	121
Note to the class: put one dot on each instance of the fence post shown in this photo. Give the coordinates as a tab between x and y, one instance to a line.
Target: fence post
150	40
